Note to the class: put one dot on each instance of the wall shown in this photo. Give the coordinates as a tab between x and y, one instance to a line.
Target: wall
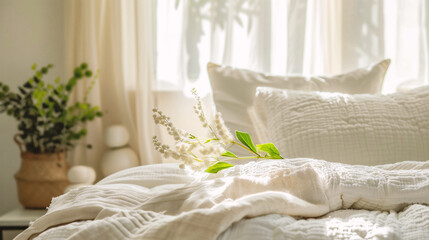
30	31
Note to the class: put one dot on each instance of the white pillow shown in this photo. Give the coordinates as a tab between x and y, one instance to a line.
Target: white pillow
234	89
353	129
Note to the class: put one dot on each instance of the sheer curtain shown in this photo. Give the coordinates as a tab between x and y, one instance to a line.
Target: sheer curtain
117	41
150	47
288	37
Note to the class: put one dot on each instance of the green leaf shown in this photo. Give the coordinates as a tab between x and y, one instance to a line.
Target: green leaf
45	105
211	139
82	132
269	148
57	80
192	136
78	73
83	106
41	112
228	154
34	66
218	166
27	85
22	90
39	75
245	139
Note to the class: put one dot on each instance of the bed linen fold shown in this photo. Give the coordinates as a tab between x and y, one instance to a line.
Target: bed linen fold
205	206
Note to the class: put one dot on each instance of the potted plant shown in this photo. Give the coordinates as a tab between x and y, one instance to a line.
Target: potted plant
48	126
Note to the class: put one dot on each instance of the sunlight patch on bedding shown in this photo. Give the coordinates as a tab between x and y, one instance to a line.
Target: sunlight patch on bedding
358	227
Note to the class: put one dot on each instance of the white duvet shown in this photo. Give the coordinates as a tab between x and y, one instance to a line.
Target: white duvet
278	199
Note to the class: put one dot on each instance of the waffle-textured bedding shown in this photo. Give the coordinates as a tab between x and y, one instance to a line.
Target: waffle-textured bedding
234	88
353	129
277	199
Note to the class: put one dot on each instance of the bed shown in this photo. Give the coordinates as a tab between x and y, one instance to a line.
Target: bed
277	199
356	167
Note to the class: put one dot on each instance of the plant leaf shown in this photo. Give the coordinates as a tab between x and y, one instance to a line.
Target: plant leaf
39	75
34	66
211	139
269	148
218	166
228	154
246	140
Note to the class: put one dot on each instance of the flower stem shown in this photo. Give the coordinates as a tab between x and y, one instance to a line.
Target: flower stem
194	156
249	157
213	132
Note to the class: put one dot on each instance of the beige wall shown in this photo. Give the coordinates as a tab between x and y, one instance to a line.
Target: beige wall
30	31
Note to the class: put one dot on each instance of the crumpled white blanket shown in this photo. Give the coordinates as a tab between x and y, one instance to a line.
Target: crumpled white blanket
159	202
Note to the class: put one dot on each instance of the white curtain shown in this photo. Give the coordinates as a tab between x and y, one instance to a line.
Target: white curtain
291	37
115	37
146	45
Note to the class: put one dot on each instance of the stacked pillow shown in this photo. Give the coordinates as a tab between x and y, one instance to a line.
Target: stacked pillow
234	89
354	129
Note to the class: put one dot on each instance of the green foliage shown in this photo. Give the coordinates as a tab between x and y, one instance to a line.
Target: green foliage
228	154
211	139
218	166
47	122
271	152
270	149
245	139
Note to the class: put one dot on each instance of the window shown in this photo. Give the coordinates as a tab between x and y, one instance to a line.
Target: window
289	37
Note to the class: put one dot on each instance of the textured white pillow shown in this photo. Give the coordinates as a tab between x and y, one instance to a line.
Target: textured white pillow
353	129
234	89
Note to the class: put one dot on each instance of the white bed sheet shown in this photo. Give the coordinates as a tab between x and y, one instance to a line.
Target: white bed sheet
162	202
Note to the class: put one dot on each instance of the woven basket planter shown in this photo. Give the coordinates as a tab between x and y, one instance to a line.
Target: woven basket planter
40	178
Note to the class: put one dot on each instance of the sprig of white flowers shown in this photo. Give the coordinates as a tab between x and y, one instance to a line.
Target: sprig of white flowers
209	153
